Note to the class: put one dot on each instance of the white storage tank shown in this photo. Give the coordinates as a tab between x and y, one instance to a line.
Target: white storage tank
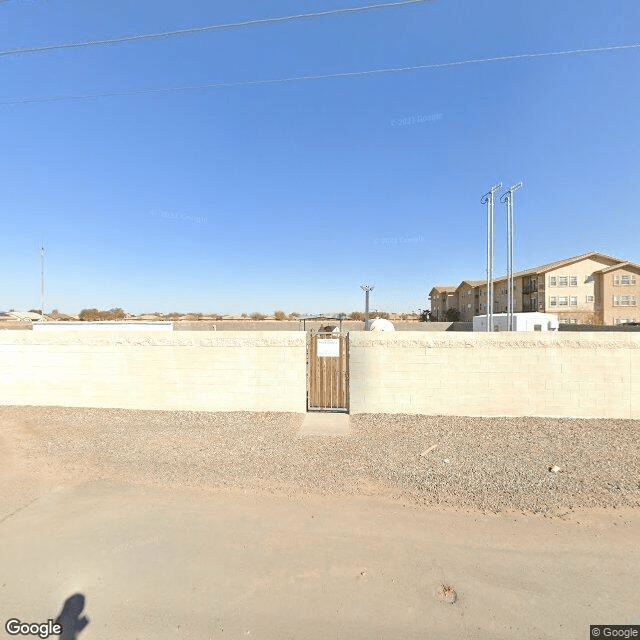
380	324
532	321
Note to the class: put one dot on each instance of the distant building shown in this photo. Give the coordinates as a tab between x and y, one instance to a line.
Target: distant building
443	297
592	288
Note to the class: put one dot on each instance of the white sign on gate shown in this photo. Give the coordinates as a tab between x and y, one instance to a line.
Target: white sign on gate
328	348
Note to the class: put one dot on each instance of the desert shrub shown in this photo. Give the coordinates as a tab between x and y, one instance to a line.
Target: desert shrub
115	314
93	315
280	315
89	315
452	315
356	315
257	316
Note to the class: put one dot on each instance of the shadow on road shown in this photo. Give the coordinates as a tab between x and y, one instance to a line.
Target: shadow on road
69	618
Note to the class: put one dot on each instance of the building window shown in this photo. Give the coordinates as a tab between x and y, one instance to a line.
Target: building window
573	281
573	301
468	305
562	281
552	281
573	321
624	280
553	302
589	298
563	301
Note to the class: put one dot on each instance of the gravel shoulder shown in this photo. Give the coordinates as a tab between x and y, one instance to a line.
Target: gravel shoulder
485	464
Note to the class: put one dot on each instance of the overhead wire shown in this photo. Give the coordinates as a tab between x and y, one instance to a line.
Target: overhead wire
324	76
213	27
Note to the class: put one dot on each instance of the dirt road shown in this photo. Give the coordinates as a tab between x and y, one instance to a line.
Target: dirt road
155	560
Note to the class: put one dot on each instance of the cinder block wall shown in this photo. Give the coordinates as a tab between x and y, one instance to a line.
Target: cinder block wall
591	375
234	371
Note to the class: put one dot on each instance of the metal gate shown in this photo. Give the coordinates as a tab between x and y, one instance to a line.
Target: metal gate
328	372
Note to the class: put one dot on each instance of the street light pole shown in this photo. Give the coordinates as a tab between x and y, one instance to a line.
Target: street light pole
489	199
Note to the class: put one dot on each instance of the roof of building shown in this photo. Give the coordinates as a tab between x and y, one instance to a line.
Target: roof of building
622	265
556	265
444	288
24	315
471	283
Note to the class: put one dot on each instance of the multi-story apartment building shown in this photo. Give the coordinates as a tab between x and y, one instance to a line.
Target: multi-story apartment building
588	289
443	298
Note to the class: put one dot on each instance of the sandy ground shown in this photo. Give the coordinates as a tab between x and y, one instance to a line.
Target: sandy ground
157	554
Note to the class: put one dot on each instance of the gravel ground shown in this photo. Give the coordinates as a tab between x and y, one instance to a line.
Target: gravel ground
494	464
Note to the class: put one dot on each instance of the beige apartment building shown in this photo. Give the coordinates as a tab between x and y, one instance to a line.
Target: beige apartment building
592	288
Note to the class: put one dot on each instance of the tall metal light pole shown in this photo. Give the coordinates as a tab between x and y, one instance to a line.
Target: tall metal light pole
507	198
366	288
489	199
42	281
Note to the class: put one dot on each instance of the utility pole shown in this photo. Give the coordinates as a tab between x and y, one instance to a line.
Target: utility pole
366	288
507	198
42	281
489	199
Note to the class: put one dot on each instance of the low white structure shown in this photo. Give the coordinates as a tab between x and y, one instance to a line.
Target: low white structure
24	316
532	321
103	326
380	324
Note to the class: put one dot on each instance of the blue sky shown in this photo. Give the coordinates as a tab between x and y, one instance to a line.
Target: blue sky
290	196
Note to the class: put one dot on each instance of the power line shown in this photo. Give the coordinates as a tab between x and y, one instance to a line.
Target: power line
213	27
325	76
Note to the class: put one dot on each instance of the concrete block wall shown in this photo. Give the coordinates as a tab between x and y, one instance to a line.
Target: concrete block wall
234	371
591	375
